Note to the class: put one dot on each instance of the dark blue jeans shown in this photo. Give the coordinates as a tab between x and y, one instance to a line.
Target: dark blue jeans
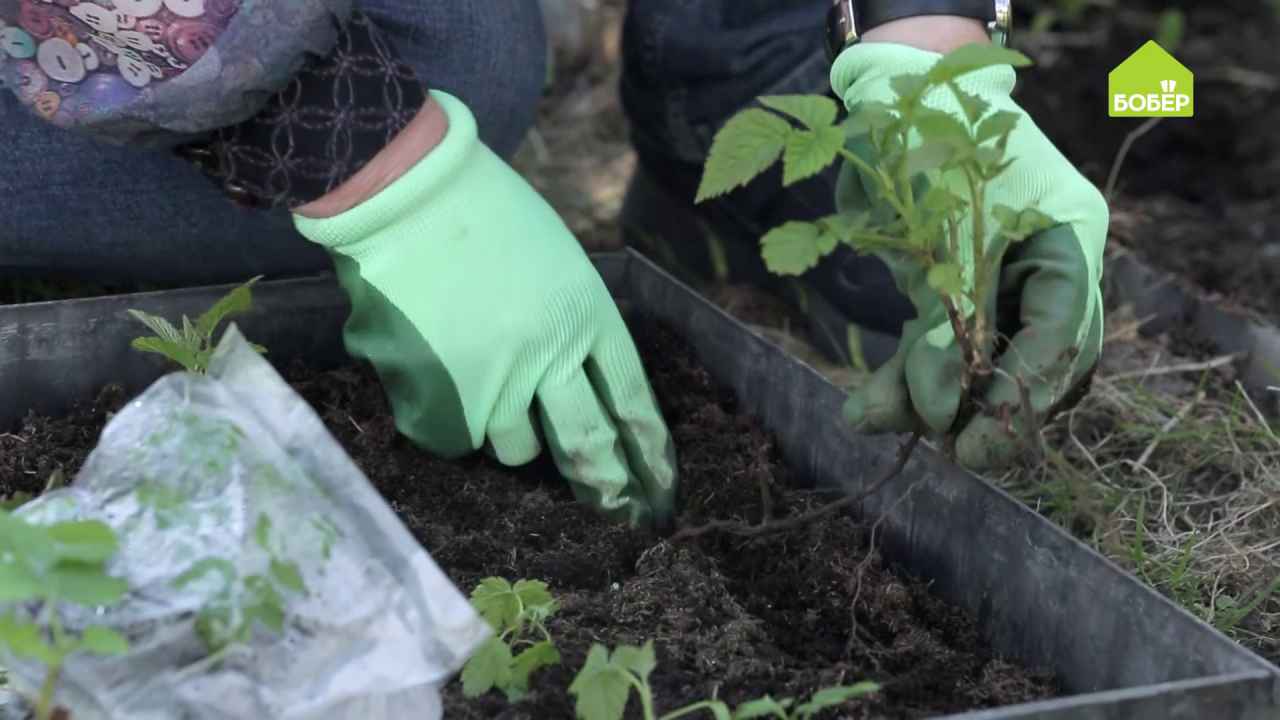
69	206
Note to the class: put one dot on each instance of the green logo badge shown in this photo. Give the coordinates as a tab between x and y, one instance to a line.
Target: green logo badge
1152	83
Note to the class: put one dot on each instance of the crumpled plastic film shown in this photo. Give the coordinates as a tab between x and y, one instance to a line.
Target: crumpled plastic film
216	485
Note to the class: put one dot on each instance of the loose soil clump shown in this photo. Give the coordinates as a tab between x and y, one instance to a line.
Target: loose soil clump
784	614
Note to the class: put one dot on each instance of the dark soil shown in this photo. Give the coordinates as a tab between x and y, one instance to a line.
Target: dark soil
1198	196
728	616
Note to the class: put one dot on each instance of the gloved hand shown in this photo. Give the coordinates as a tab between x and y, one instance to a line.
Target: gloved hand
486	322
1051	281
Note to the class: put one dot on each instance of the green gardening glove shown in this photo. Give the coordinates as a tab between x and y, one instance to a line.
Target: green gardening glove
1052	281
488	324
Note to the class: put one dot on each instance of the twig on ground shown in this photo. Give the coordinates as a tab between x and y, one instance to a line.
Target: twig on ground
1125	147
741	529
1165	430
1212	364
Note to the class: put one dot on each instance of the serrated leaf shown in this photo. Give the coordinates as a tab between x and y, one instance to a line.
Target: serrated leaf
88	541
832	697
813	111
103	641
927	157
938	126
239	300
941	201
158	325
601	689
287	574
744	148
530	660
909	87
84	584
266	607
809	152
974	57
998	124
870	117
175	351
792	248
638	660
488	668
496	601
764	707
533	594
973	106
947	278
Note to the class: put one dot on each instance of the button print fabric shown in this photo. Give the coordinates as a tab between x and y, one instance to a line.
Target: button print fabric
156	72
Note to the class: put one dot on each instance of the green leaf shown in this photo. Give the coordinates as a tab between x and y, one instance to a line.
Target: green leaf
947	278
25	640
488	668
999	124
942	127
638	660
15	501
941	201
239	300
809	152
158	325
764	707
813	111
909	88
832	697
870	117
793	248
87	541
103	641
200	568
534	594
973	57
18	583
601	689
927	157
287	574
973	106
496	601
175	351
266	607
744	148
29	542
1020	225
84	584
262	532
533	658
1171	28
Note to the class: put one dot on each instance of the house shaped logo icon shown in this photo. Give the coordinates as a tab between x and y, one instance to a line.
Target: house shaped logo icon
1151	83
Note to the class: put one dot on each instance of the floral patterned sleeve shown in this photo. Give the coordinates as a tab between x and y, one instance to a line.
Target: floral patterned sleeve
278	101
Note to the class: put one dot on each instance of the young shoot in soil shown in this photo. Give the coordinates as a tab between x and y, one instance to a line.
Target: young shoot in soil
521	644
604	685
193	345
925	170
41	568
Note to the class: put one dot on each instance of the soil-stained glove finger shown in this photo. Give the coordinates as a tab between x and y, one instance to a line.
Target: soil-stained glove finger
1051	276
513	439
621	383
587	448
883	404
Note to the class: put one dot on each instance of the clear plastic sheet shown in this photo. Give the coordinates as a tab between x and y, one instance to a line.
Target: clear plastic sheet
217	485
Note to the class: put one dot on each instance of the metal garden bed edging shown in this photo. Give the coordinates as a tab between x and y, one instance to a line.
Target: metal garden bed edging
1173	303
1121	650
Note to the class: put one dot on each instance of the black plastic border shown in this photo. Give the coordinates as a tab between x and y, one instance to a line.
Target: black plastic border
1040	595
